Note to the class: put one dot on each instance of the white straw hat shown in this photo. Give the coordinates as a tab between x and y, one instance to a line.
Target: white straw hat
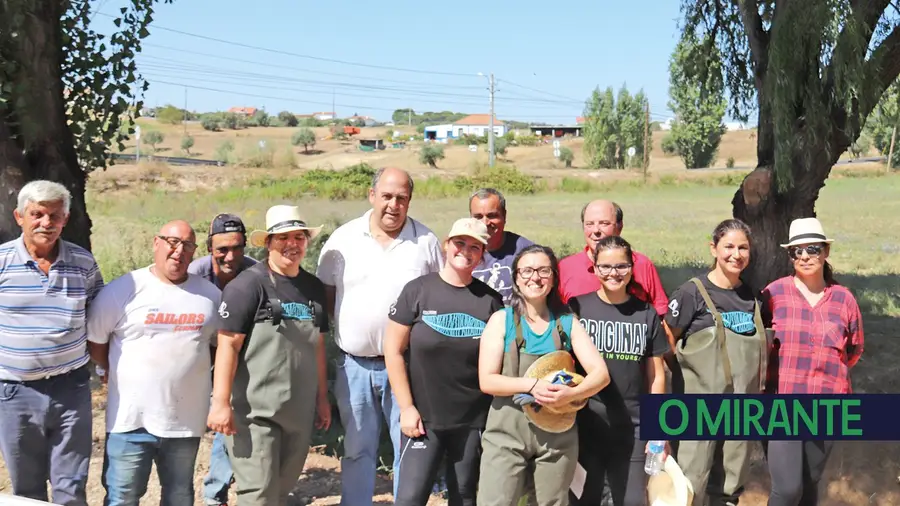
806	231
279	220
670	487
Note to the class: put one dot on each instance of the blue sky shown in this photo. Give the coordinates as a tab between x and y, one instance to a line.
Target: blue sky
546	57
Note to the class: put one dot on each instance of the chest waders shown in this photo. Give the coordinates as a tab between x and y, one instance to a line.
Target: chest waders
716	360
513	447
274	401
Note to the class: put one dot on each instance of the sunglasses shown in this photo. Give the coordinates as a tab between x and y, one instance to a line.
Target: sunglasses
812	250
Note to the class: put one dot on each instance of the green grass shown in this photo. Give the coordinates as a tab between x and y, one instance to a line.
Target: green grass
670	221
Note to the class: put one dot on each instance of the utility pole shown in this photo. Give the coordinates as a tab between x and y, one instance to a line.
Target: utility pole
410	115
646	140
333	112
185	111
491	134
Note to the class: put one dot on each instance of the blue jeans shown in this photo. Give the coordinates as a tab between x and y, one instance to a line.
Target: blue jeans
364	397
45	433
218	479
129	457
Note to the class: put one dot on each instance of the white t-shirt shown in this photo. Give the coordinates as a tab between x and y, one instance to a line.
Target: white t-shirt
368	278
158	336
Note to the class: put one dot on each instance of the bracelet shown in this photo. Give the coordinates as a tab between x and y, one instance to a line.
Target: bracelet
532	386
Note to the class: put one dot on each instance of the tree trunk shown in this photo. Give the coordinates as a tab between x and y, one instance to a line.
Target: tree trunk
35	139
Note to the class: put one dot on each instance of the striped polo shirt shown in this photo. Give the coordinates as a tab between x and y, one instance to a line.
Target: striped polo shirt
42	316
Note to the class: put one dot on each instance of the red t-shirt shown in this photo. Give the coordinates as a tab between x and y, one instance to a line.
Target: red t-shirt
576	277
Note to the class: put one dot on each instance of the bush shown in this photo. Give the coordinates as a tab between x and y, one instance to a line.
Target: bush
566	156
187	142
224	152
527	140
210	123
154	137
304	137
668	145
730	163
288	119
430	154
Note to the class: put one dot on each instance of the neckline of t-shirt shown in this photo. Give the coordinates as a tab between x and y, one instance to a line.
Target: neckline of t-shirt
445	283
631	299
709	284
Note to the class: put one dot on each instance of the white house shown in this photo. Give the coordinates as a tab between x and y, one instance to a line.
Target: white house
323	116
474	124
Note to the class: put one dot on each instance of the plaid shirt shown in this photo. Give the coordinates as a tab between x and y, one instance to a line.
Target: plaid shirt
816	346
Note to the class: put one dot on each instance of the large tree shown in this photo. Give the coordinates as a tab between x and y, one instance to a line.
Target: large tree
67	93
812	71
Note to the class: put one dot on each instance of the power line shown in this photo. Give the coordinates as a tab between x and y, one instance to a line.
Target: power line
297	69
541	91
298	55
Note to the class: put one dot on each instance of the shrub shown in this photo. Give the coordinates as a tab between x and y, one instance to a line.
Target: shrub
566	156
288	119
210	123
154	137
730	163
430	154
304	137
187	142
668	145
224	152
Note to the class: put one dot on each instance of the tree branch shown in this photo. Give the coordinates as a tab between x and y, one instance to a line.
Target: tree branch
881	70
757	36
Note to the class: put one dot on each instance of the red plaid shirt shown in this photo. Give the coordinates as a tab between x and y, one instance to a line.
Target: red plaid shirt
818	345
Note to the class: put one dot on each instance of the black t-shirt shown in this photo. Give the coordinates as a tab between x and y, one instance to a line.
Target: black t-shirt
626	335
302	298
688	312
442	357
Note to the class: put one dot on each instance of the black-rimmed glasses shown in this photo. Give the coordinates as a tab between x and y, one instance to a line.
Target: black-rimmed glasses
606	269
174	242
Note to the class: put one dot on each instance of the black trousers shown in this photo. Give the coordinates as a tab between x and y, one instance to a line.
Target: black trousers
420	460
795	468
613	460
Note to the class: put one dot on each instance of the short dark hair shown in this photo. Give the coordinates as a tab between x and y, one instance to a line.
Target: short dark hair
483	193
409	180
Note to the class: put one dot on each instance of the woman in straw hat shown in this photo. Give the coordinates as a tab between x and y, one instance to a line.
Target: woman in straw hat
819	331
269	386
436	322
628	332
717	328
526	363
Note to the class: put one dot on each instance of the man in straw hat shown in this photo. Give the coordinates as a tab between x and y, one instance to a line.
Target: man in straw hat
364	265
270	376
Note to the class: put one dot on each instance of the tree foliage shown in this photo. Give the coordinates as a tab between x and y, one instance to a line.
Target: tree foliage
880	124
698	100
612	125
304	137
811	72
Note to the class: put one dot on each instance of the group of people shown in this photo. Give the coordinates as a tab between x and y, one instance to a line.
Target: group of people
489	360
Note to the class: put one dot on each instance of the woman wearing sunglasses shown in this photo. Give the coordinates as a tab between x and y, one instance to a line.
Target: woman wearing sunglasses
819	333
537	329
716	326
629	335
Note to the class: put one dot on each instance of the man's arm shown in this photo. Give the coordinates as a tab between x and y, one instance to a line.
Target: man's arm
102	316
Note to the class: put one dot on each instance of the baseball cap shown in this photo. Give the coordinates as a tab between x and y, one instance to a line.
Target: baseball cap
225	223
470	227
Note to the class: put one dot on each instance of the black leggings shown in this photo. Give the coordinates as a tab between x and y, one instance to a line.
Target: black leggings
613	461
796	468
421	457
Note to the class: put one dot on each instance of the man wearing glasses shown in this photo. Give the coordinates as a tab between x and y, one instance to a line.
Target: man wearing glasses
225	243
599	219
153	327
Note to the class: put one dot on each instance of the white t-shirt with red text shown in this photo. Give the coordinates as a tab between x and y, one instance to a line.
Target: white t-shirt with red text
159	337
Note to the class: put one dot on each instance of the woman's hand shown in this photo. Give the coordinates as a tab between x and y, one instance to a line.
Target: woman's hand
323	412
221	418
551	395
411	422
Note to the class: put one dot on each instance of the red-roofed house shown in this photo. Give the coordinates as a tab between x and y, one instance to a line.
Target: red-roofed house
473	124
246	111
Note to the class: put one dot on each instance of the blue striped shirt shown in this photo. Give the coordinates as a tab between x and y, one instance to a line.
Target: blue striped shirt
42	316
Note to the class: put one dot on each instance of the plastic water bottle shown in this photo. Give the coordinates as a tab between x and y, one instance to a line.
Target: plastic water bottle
654	463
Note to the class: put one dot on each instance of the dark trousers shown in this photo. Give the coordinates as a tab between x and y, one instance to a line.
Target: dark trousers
613	461
420	459
45	434
795	468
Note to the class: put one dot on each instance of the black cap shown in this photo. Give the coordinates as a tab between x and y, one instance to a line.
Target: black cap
225	223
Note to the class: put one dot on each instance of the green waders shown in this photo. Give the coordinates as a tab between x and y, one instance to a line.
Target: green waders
716	360
511	445
274	400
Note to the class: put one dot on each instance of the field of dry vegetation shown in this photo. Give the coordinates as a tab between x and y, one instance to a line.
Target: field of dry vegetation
669	217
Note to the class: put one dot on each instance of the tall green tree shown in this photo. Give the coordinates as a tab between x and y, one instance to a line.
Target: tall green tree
697	94
612	125
880	124
66	91
812	72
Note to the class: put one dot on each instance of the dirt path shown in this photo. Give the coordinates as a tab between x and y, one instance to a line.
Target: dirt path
857	474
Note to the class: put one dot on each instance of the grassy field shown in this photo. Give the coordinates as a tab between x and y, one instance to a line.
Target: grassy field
670	221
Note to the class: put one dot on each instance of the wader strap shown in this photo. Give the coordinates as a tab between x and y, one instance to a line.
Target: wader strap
271	310
763	348
720	333
560	340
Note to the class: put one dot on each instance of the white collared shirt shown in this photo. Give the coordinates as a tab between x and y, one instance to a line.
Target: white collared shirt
368	278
